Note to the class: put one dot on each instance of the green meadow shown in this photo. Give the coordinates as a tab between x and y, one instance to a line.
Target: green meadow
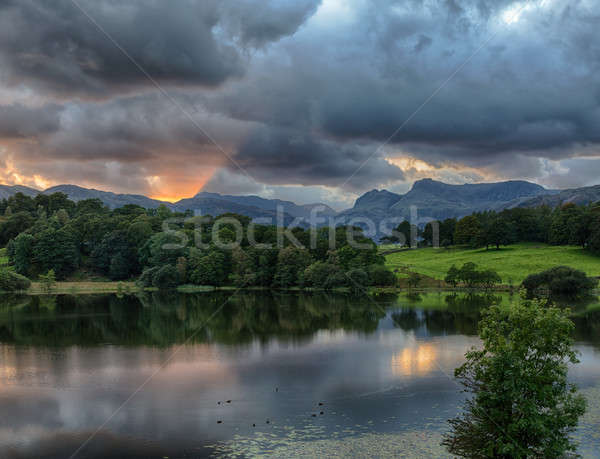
513	263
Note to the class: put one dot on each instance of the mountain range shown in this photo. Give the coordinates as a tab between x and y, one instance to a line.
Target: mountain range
432	199
203	203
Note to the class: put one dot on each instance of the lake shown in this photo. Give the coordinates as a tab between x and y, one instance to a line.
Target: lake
246	374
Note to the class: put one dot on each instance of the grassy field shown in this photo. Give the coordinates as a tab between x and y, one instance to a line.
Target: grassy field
85	287
3	257
513	263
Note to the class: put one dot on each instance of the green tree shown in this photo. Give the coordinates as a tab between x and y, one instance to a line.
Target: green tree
48	280
163	248
23	253
62	216
316	274
12	282
522	404
561	280
452	277
358	280
497	232
381	276
115	256
13	225
291	263
468	231
147	276
489	278
165	277
414	279
208	269
56	250
569	225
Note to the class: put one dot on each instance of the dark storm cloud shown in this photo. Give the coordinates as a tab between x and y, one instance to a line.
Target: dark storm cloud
19	121
532	90
54	46
281	156
303	92
256	24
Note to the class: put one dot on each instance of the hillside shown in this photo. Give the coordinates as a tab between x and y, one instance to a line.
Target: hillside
441	200
438	200
213	206
579	196
110	199
271	205
513	263
6	191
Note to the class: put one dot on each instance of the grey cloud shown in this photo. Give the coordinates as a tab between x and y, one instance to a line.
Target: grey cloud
130	129
284	156
532	90
20	121
55	47
300	99
257	23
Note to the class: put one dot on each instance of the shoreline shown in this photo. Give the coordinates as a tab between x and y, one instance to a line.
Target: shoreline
128	287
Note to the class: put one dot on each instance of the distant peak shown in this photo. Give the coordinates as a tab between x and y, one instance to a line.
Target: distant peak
428	184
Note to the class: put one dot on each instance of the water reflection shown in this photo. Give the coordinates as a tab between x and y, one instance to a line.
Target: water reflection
418	360
67	363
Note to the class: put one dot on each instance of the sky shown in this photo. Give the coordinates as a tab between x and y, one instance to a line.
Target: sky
307	100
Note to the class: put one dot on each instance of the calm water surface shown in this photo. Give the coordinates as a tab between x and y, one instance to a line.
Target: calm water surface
306	375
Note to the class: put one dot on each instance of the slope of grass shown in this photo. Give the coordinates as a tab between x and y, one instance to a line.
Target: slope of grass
3	257
513	263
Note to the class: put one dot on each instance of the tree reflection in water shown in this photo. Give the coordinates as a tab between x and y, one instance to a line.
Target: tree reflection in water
162	319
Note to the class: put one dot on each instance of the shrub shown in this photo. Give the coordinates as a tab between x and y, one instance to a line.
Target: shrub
381	276
11	282
560	280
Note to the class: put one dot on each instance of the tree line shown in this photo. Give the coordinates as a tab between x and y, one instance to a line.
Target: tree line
569	224
85	239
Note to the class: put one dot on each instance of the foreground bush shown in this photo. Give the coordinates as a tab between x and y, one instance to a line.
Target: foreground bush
11	282
522	405
560	280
